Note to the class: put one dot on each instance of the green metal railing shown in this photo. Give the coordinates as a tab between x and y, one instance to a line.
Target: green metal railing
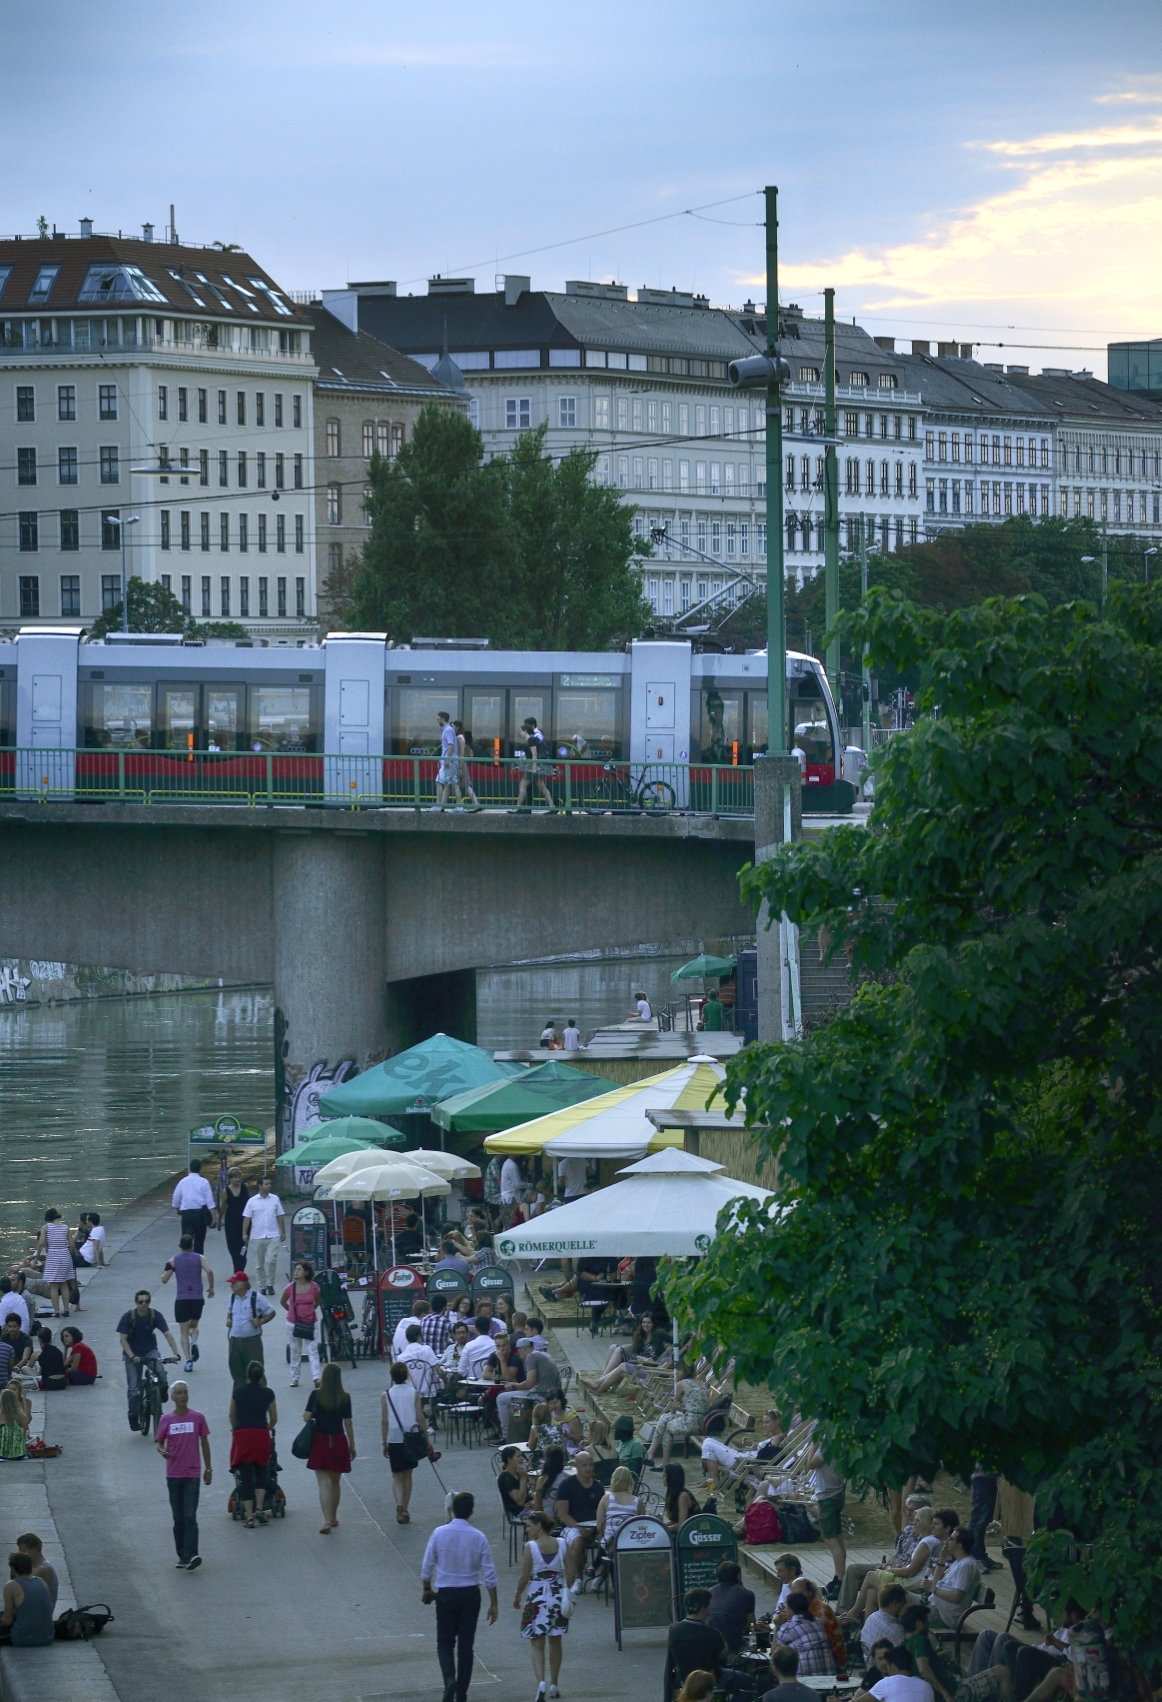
135	775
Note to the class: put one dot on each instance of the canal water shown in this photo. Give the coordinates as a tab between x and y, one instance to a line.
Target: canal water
97	1096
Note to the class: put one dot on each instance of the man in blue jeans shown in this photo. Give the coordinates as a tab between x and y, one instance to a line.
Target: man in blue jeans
455	1560
137	1332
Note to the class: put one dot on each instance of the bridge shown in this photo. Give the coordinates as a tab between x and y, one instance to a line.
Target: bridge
369	924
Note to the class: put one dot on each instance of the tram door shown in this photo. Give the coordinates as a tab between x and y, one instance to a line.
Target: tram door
484	723
524	704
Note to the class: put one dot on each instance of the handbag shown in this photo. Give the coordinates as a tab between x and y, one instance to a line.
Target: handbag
301	1446
415	1444
84	1622
303	1332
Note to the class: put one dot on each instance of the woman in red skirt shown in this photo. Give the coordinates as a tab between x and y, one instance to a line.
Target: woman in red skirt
253	1411
333	1448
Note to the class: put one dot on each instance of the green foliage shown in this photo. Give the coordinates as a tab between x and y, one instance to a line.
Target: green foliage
969	1265
154	609
528	554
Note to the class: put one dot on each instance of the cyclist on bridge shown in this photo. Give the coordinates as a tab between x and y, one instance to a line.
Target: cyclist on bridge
138	1334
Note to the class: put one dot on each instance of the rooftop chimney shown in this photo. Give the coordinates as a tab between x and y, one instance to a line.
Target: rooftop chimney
1018	369
888	344
86	227
147	233
451	286
515	285
602	292
921	348
376	286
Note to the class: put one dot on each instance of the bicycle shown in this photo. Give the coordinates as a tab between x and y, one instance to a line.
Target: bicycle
337	1337
616	791
150	1397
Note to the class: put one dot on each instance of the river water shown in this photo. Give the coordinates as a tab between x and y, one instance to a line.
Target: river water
97	1096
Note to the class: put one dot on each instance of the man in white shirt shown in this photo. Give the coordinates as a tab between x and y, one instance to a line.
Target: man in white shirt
421	1362
194	1198
955	1583
263	1232
642	1010
478	1351
572	1036
12	1300
420	1309
453	1353
456	1559
899	1685
93	1246
572	1175
510	1182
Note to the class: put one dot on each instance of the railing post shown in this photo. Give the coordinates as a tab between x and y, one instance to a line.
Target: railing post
568	787
121	775
714	789
416	782
269	777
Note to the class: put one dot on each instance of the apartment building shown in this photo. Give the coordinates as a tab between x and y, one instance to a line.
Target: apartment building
164	390
367	397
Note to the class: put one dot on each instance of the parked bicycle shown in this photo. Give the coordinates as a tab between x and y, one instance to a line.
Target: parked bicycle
617	790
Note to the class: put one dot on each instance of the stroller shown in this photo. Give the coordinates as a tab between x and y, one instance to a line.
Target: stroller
275	1503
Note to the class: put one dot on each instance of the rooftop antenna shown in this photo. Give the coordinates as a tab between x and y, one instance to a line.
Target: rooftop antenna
173	235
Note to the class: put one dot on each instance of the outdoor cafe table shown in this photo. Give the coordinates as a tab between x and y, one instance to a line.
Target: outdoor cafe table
826	1684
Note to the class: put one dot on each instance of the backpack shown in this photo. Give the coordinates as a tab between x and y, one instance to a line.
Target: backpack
82	1622
762	1523
796	1525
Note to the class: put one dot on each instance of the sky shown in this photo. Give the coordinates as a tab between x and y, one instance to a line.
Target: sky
986	172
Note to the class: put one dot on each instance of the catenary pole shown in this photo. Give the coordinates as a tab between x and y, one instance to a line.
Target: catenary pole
776	607
863	599
830	496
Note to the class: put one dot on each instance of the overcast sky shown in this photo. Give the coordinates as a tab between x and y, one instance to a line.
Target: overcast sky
953	169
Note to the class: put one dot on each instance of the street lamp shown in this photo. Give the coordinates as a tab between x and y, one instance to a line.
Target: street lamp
129	520
1146	554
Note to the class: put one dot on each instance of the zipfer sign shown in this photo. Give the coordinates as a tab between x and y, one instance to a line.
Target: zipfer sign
509	1249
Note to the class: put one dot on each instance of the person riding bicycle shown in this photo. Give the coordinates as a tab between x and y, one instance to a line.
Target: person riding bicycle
137	1333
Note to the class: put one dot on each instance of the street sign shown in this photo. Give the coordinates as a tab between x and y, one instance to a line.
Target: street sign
449	1283
398	1287
490	1283
704	1542
643	1574
308	1237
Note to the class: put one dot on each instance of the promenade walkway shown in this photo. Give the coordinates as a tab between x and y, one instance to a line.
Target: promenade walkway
281	1612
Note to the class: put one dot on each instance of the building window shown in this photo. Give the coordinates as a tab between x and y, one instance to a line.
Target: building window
623	472
942	440
260	469
186	582
667	475
201	407
107	401
931	490
699	419
223	469
637	413
683	419
242	407
603	469
280	472
70	528
396	439
652	474
929	446
162	402
221	407
206	583
204	537
242	469
368	439
66	402
110	592
296	415
701	542
899	478
731	537
911	478
280	534
259	408
29	532
601	413
29	595
262	534
277	408
333	439
26	466
66	466
243	533
70	594
263	598
25	403
667	416
715	421
518	413
244	596
715	478
298	472
300	597
280	589
185	528
224	596
165	528
716	537
883	478
683	475
652	418
300	536
870	483
761	539
334	505
203	466
223	531
700	475
567	412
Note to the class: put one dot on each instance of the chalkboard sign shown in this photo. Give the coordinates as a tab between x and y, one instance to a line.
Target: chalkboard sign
704	1542
308	1236
448	1283
490	1283
643	1573
398	1287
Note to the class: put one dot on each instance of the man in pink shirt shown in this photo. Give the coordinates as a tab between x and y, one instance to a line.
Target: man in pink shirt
179	1434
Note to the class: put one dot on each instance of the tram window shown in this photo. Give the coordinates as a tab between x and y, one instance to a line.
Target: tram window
177	715
809	727
721	725
758	730
586	721
524	705
417	732
7	716
118	716
223	710
484	720
282	719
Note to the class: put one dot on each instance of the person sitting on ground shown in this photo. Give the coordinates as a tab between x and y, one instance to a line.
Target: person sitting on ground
50	1363
637	1357
31	1545
80	1360
719	1456
27	1619
619	1503
513	1484
899	1684
680	1504
784	1668
798	1630
15	1418
631	1450
946	1680
731	1606
21	1344
554	1470
687	1410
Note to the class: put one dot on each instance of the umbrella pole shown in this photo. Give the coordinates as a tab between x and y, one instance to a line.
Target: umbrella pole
674	1322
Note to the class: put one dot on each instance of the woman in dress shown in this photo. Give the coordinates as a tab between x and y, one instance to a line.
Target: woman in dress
234	1197
546	1575
56	1243
401	1410
333	1447
300	1302
688	1409
253	1415
15	1418
639	1358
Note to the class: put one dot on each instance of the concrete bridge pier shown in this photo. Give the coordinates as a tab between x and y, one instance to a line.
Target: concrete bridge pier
330	966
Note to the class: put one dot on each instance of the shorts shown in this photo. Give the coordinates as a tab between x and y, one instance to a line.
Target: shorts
187	1311
830	1522
448	773
978	1688
398	1460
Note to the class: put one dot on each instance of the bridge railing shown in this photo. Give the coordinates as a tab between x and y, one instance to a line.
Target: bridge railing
577	786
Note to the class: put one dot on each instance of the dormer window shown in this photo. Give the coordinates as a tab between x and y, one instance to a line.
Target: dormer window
45	279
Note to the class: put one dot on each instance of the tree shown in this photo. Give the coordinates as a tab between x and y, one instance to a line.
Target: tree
152	608
968	1265
525	553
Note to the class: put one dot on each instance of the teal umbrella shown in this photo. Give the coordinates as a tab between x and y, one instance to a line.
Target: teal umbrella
416	1080
702	967
340	1136
505	1104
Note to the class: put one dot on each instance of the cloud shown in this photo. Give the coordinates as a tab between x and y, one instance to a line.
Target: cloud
1078	240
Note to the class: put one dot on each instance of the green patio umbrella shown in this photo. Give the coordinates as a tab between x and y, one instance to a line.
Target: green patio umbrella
700	967
416	1080
505	1104
340	1135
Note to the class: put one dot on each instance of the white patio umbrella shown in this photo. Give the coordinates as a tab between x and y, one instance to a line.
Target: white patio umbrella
347	1163
667	1204
394	1179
